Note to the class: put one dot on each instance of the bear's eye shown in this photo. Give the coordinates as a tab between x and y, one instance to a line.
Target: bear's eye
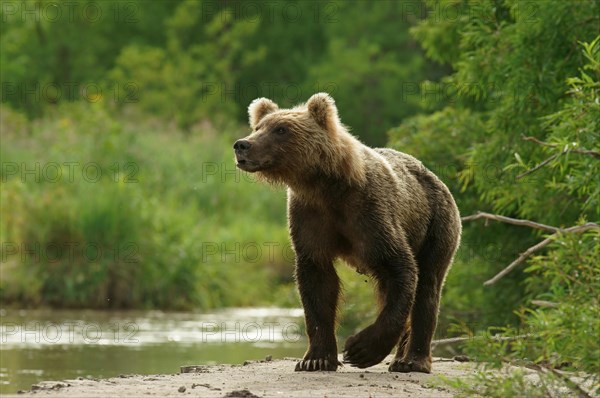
281	130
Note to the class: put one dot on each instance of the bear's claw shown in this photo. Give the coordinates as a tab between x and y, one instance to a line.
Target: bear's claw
312	365
411	365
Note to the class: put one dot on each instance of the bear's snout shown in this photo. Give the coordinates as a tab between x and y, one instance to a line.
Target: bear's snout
242	145
242	156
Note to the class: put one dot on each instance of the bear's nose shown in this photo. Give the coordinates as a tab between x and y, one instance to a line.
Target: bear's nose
242	145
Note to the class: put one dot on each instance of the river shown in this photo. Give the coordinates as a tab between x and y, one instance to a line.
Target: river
41	345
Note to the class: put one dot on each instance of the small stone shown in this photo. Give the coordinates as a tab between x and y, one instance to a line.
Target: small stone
362	376
181	389
269	358
247	363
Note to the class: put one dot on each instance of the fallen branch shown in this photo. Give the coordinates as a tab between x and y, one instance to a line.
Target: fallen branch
581	393
509	220
453	340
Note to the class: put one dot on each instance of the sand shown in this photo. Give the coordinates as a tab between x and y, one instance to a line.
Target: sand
267	378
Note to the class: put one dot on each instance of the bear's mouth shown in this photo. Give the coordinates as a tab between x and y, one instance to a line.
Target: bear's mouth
247	165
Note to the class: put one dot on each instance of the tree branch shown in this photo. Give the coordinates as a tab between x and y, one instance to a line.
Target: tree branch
542	164
595	154
544	303
587	152
539	142
519	260
509	220
576	388
532	249
497	338
523	256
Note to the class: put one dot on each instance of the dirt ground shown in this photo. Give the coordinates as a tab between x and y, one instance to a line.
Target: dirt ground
263	379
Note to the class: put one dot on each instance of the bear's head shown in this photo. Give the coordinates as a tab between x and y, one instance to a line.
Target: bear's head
289	145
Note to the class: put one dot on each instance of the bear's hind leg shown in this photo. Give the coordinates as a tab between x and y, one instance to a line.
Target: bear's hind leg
415	356
434	260
396	280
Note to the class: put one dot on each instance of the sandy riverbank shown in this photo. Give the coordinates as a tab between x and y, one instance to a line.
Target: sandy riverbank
263	379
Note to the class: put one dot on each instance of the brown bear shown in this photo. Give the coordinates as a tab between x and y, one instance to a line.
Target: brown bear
379	210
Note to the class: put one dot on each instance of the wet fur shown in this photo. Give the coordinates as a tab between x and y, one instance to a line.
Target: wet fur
379	210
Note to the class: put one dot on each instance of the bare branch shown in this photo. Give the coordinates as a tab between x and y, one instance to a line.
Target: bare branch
595	154
518	261
544	303
497	338
453	340
509	220
542	164
533	139
533	249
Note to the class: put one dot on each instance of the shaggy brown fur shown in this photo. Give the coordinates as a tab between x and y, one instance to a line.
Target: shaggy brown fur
379	210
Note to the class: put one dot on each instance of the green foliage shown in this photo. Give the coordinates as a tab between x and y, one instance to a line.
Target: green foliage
514	382
181	81
510	69
560	334
371	66
192	61
120	85
442	141
514	130
165	225
59	51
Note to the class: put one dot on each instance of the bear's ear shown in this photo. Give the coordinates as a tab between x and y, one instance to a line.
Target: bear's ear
322	108
260	108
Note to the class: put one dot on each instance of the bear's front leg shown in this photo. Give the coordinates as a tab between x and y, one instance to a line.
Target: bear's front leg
396	280
319	288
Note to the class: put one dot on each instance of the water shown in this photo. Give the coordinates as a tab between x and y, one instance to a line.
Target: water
41	345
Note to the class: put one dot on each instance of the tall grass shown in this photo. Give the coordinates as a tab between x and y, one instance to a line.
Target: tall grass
141	215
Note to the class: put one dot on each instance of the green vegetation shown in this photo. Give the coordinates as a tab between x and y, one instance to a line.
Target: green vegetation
190	60
137	219
138	108
514	130
154	109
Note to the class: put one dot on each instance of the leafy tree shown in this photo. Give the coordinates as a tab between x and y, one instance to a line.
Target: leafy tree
518	119
510	61
56	51
373	67
186	81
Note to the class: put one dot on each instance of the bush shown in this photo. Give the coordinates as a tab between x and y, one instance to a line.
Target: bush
147	217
